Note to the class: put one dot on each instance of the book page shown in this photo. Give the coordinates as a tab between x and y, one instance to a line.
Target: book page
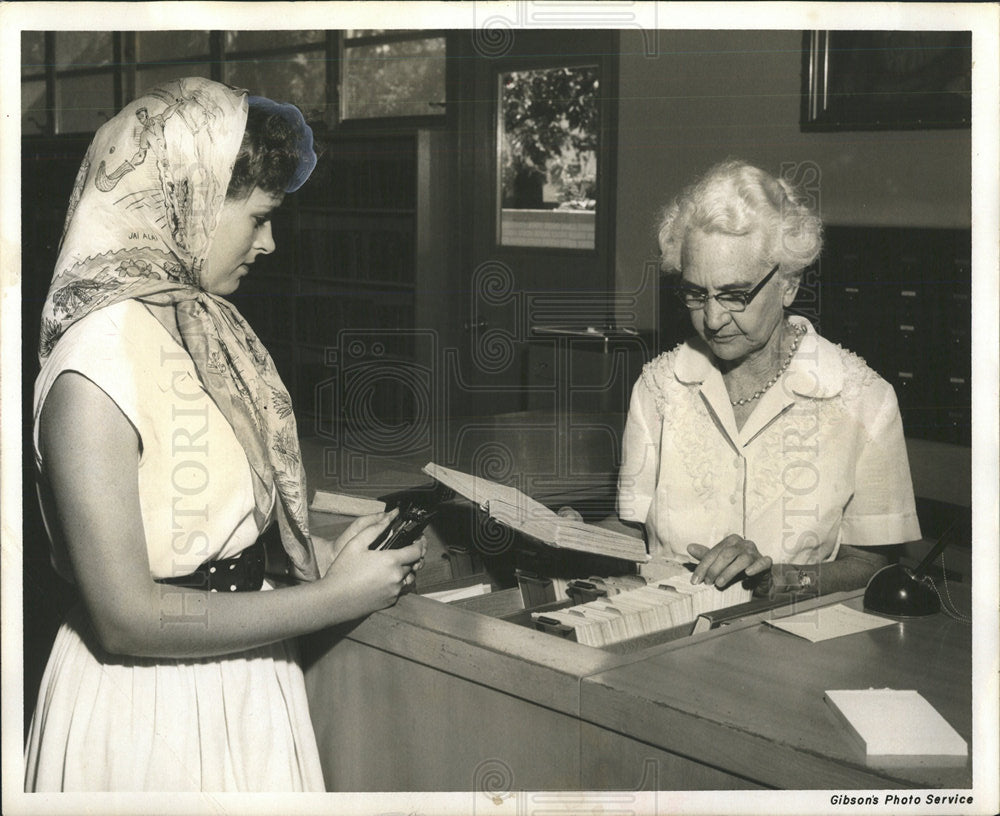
518	511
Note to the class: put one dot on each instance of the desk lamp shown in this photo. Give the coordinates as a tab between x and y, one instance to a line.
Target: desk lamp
907	593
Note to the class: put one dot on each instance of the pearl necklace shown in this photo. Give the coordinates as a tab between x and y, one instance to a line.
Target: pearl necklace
799	334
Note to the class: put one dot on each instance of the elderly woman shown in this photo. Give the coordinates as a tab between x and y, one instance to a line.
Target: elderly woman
758	448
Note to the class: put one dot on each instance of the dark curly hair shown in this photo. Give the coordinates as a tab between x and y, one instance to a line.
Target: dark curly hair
268	156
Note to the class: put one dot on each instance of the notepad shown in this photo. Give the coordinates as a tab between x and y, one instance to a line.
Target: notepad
895	728
825	622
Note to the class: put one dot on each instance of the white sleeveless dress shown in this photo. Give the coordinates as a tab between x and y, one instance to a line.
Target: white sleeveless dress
104	722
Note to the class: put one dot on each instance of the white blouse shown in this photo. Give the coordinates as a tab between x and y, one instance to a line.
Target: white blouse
195	488
820	462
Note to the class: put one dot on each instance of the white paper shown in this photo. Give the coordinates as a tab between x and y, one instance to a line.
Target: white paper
827	622
897	723
449	595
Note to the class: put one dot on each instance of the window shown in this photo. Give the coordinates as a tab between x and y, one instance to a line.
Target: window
67	81
548	135
287	65
73	81
163	55
392	75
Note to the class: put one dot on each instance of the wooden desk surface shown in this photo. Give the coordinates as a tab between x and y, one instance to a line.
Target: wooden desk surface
752	700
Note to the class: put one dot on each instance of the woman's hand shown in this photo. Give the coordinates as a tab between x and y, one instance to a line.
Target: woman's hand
86	440
368	580
726	560
327	549
570	513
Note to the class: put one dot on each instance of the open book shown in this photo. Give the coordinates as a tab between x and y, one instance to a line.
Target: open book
511	507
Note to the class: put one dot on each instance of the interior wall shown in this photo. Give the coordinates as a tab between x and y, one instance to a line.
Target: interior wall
709	95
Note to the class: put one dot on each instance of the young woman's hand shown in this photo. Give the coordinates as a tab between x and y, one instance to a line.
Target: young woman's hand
367	580
327	549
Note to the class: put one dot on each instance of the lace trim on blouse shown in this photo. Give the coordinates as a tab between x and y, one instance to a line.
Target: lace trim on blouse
685	414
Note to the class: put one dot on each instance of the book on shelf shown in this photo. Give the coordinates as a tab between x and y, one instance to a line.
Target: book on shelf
896	727
515	509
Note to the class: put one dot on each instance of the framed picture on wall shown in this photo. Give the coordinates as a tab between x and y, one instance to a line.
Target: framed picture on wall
886	80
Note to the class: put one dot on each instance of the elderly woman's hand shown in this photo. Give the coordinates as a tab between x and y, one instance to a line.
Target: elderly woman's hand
724	562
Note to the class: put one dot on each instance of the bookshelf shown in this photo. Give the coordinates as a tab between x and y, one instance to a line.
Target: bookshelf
340	304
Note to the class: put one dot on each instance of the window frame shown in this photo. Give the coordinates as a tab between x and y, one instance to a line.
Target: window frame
50	74
125	68
433	120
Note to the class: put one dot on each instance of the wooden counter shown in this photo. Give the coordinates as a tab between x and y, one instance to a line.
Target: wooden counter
424	696
427	696
751	701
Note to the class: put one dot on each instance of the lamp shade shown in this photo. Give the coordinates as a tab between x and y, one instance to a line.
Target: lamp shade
897	590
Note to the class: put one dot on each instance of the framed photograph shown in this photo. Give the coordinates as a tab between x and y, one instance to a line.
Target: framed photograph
886	80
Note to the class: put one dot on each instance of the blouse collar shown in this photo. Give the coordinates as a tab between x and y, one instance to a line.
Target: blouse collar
815	372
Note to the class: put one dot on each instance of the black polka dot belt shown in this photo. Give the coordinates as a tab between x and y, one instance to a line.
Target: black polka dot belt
242	573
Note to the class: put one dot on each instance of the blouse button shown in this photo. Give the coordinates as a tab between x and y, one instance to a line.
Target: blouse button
211	569
232	566
232	588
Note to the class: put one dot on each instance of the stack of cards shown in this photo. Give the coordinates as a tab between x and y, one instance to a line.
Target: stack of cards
630	613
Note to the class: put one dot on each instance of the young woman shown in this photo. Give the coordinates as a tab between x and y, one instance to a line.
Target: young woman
165	445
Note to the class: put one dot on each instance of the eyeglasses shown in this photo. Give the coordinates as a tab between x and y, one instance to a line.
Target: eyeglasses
730	300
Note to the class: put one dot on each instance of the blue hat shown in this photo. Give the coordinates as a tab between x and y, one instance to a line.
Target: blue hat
304	145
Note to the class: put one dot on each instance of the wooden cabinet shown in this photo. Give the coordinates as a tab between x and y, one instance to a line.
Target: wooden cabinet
427	696
392	720
901	299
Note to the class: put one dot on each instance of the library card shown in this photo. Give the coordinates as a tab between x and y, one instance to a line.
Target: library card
825	622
